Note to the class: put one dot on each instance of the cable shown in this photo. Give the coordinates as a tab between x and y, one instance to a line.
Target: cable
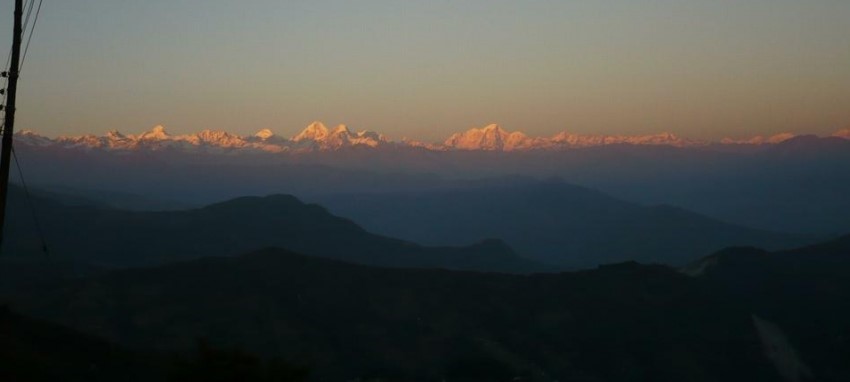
29	7
9	56
23	28
31	204
27	47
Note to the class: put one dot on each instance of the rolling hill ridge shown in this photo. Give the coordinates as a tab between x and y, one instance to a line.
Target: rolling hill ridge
118	238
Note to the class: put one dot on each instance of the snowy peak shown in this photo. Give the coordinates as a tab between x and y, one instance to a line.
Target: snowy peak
31	138
760	140
490	138
316	131
158	133
779	138
340	130
843	133
493	129
566	139
217	138
115	135
318	137
264	134
494	138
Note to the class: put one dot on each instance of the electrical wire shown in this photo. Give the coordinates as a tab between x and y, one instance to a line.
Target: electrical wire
31	204
29	6
41	237
29	38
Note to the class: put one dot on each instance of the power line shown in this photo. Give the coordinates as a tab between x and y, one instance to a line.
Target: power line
9	56
27	46
20	31
30	204
29	7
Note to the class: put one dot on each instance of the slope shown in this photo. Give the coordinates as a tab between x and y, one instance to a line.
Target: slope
120	238
804	291
625	322
551	221
35	350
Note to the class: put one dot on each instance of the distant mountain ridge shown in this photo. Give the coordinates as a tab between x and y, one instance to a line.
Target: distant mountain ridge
551	221
494	138
314	137
120	238
318	137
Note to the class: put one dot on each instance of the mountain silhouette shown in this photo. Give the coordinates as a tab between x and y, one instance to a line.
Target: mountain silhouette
109	237
37	350
797	185
551	221
803	290
347	321
720	318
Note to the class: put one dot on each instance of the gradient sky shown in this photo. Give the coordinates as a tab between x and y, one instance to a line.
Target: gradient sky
424	69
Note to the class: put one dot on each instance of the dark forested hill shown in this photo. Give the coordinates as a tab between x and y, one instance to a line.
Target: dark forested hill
111	237
804	290
35	350
622	322
741	314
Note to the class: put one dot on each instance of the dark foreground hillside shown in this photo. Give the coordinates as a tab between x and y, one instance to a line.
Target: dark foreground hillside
34	350
624	322
806	291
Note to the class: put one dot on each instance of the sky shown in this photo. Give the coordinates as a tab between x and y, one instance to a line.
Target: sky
425	69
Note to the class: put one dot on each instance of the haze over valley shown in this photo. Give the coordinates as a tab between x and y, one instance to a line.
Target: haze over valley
757	183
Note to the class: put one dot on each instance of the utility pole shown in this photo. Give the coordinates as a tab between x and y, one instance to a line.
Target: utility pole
9	122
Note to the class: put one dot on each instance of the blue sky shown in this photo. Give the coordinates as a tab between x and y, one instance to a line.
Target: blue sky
702	69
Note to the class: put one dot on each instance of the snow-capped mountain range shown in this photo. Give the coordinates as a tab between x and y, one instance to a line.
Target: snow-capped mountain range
318	137
494	138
